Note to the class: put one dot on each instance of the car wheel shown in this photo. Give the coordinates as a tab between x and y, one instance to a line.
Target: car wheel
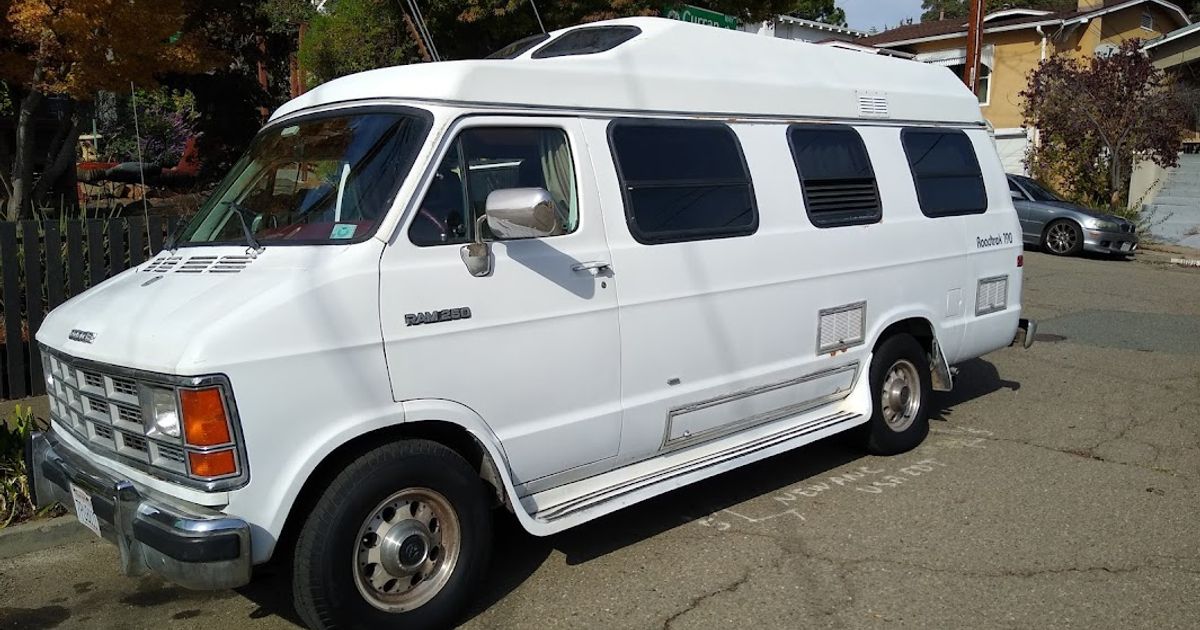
1063	238
901	386
398	539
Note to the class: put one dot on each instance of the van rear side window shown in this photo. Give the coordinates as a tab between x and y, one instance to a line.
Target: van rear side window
835	174
682	181
946	172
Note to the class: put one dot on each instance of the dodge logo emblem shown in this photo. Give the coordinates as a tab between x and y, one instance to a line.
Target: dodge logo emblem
82	336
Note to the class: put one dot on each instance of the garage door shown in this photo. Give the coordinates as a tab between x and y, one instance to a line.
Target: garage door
1011	148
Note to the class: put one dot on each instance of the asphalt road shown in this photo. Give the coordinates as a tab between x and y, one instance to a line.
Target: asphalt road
1057	489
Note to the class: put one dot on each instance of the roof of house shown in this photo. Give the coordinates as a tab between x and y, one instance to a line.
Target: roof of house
1002	21
821	26
673	67
1193	29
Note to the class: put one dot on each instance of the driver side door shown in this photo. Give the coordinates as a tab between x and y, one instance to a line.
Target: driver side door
533	348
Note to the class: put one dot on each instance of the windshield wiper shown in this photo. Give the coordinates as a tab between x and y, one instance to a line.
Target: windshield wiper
241	212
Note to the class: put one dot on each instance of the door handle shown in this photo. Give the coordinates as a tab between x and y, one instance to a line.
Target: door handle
594	267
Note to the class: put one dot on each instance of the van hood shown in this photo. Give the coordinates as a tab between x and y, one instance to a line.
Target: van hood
164	319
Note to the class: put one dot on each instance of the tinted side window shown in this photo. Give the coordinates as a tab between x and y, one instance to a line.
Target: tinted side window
683	181
484	159
946	172
519	47
587	40
835	174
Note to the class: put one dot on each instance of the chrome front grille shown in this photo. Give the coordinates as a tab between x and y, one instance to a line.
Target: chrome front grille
103	408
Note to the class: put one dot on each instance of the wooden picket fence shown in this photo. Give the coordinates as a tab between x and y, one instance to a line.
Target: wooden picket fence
45	263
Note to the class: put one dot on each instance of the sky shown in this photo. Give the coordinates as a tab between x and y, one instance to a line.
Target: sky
863	14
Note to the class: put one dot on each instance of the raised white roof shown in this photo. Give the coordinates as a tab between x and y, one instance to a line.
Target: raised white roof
678	67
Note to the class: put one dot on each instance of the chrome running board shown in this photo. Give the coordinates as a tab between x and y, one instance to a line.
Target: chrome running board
625	487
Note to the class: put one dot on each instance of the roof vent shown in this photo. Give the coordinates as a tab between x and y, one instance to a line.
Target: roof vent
873	105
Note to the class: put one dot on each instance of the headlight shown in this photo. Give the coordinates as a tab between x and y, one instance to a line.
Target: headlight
1106	226
162	421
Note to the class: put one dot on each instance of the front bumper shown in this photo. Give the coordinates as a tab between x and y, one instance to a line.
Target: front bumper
193	546
1101	242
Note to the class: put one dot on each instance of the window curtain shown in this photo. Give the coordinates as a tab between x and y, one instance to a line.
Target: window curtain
560	177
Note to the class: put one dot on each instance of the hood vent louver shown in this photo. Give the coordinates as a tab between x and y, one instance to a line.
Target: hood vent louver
198	264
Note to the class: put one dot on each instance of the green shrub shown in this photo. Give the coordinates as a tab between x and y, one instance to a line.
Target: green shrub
16	500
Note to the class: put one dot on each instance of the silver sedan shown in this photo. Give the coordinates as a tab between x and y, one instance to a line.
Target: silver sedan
1065	229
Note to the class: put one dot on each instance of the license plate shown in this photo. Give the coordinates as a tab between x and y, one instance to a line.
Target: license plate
1126	246
84	510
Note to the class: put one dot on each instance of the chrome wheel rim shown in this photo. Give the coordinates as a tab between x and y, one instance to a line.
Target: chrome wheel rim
900	398
1061	238
406	549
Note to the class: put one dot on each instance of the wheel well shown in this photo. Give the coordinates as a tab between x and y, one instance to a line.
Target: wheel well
447	434
918	327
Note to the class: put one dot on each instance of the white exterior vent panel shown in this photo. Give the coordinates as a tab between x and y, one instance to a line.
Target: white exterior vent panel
873	105
841	327
163	263
198	264
992	295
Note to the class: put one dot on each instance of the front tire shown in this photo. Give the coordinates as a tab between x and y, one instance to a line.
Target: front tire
1063	238
901	386
398	539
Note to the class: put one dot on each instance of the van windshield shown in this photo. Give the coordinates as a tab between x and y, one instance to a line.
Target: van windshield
314	180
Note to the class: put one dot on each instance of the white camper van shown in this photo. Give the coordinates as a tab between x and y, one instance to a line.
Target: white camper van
605	263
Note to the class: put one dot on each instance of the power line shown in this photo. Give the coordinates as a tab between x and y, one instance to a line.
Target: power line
423	30
537	15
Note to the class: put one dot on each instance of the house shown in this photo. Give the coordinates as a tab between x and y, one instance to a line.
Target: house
802	30
1016	40
799	29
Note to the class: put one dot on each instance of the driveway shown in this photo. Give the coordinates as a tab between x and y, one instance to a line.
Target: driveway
1058	489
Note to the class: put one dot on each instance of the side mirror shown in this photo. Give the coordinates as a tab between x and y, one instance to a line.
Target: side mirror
522	213
1016	195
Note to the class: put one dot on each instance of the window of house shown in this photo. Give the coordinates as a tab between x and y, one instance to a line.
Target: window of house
983	87
835	175
1147	21
945	171
682	181
484	159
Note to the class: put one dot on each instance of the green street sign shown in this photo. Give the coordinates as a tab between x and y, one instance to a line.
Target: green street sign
696	15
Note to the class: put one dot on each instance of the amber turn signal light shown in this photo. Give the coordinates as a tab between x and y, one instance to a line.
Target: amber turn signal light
214	464
204	421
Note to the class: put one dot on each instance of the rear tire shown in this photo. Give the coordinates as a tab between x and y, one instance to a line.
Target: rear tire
398	539
901	386
1063	238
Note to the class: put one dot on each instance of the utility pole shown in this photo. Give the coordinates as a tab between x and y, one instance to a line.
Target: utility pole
974	45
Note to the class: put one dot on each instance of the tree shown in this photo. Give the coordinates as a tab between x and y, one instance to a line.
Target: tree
1096	117
337	40
820	11
64	51
958	9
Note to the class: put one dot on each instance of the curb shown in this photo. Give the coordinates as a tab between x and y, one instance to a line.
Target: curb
40	535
